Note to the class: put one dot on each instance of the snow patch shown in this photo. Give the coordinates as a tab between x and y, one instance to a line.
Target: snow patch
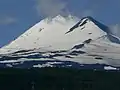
110	68
42	65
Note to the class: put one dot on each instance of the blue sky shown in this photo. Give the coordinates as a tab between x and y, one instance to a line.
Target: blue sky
16	16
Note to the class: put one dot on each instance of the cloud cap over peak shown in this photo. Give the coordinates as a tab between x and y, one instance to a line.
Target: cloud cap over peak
47	8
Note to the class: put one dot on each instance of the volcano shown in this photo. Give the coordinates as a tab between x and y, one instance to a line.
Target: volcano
64	42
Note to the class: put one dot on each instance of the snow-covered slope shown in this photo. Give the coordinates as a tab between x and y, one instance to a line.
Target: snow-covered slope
48	33
84	41
57	33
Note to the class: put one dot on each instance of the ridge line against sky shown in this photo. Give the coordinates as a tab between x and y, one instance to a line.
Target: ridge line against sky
17	16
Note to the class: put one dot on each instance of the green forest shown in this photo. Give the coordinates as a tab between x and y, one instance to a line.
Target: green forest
58	79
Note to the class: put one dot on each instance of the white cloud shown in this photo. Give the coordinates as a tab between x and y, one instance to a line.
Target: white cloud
87	13
115	29
47	8
7	20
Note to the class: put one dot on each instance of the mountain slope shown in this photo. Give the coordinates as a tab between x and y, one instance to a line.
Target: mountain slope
65	39
53	34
